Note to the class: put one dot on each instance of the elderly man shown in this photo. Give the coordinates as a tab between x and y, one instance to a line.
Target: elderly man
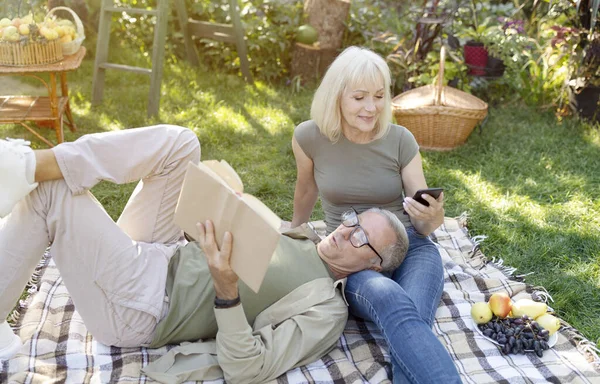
137	283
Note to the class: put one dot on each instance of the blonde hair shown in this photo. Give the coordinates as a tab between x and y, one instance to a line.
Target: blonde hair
355	66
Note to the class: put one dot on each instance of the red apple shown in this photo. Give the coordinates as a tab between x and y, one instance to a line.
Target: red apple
500	304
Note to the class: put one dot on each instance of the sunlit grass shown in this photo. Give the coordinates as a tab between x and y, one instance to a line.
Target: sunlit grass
529	183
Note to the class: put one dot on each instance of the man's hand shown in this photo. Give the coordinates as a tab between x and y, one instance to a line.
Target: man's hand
224	278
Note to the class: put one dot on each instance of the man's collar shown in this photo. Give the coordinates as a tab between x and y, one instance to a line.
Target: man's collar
302	232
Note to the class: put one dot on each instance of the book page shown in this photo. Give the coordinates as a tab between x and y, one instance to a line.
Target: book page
227	173
264	211
204	196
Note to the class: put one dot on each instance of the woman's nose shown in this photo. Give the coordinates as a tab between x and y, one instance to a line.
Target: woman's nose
370	106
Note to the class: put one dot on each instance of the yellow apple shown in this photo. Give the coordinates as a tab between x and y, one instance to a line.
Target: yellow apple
500	304
65	22
11	33
24	29
16	22
549	322
52	35
481	312
5	22
66	39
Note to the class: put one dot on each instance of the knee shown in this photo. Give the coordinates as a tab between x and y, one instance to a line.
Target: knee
378	298
185	140
369	283
376	289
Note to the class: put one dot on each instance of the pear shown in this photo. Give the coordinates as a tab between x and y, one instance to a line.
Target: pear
27	19
528	307
549	322
481	312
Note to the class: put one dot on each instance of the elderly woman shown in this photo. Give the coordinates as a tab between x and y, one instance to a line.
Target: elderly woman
353	156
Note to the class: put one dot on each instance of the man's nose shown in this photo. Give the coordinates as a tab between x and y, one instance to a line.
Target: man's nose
345	232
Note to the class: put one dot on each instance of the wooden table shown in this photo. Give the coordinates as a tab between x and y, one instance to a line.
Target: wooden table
43	110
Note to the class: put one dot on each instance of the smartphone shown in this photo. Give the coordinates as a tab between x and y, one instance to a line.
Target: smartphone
433	192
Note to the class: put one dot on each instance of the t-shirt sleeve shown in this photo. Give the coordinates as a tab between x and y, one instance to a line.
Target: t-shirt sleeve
407	148
305	134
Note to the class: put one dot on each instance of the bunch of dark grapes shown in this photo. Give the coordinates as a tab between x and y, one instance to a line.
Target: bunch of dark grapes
517	335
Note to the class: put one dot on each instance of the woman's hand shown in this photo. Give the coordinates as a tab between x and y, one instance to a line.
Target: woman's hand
225	279
425	219
421	212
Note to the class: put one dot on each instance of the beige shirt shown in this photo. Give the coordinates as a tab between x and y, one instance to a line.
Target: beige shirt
297	329
191	291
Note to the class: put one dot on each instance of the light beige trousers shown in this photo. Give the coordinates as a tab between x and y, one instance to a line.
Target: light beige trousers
115	272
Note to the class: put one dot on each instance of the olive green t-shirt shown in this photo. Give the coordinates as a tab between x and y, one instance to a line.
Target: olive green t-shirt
191	292
358	175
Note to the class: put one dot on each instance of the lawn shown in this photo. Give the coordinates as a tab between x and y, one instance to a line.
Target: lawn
529	183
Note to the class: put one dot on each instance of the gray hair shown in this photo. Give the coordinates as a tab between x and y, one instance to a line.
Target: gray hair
393	255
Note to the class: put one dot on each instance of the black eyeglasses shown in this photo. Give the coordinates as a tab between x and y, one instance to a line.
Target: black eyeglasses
358	236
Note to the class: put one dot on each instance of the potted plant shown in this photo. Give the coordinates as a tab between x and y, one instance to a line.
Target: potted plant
584	85
491	38
478	36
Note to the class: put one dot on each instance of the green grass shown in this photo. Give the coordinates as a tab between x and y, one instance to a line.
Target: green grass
530	184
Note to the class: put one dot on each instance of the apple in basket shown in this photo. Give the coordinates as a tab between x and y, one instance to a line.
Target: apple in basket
11	33
5	22
24	29
16	22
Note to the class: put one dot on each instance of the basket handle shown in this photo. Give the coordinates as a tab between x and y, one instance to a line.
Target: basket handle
440	83
78	23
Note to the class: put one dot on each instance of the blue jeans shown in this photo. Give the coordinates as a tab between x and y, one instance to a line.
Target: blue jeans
402	304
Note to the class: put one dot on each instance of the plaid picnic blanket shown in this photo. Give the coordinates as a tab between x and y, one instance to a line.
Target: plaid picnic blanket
58	347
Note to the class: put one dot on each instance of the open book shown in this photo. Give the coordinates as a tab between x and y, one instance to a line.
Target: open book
212	190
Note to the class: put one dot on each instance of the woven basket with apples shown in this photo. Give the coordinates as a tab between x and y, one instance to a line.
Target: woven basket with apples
517	327
25	42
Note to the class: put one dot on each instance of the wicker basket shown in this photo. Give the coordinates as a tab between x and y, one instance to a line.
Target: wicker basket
39	53
72	46
32	53
440	117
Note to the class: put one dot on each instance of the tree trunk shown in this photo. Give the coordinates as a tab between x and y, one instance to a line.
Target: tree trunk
306	62
328	17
